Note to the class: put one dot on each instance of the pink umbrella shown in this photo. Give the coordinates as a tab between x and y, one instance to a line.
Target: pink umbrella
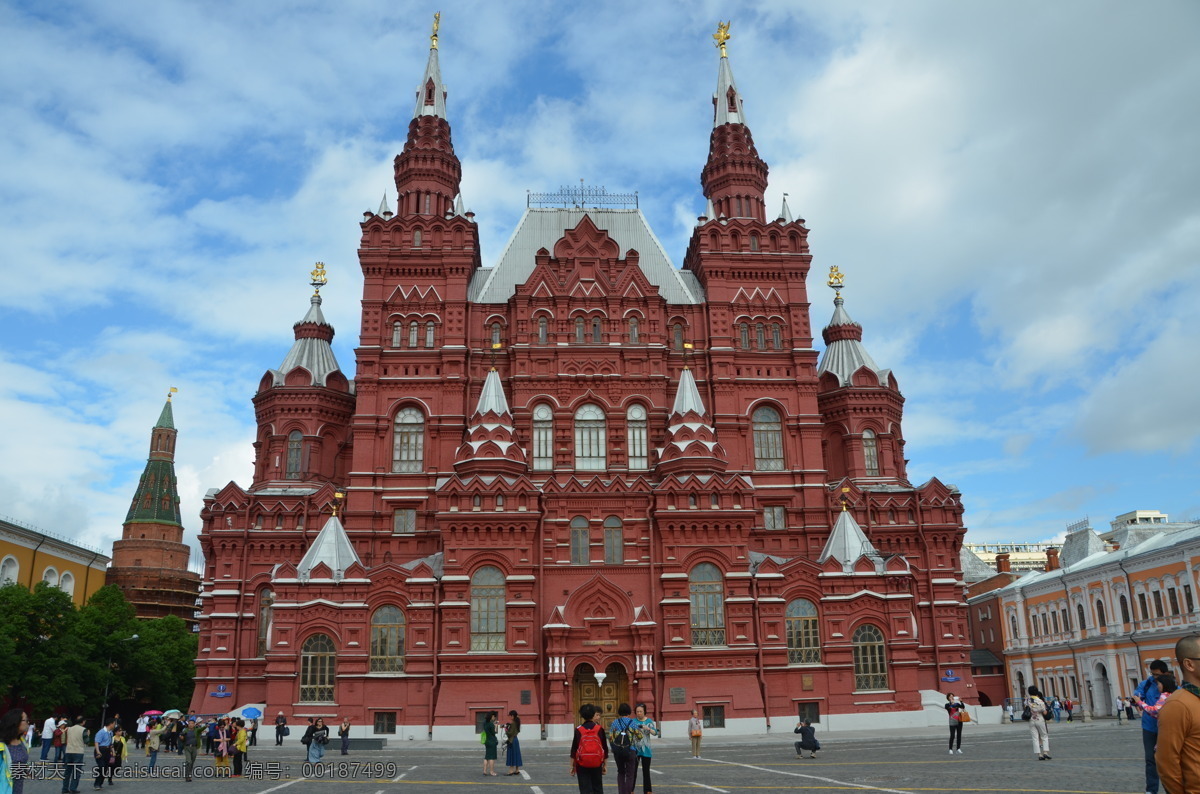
151	713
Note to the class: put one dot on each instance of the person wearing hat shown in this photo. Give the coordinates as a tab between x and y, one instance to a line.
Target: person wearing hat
59	740
280	728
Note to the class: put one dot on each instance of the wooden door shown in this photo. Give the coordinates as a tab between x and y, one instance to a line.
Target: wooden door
606	696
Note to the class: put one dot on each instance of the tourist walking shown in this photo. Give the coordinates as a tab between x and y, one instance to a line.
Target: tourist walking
956	711
589	753
120	751
143	728
648	728
490	742
48	735
103	753
1178	740
154	743
14	752
241	745
318	737
60	741
512	756
695	732
192	736
222	747
281	729
73	771
253	730
1056	707
344	735
808	739
622	737
1147	692
1068	706
1038	711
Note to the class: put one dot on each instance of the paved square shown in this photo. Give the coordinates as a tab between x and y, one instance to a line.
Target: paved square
1094	758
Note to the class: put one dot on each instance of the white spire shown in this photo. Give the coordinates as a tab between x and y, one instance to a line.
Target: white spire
332	547
710	211
687	398
431	94
727	92
458	205
492	397
847	542
384	209
785	212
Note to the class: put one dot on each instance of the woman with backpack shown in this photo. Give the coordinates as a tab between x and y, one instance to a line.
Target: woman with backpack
623	735
1037	709
489	745
589	753
512	758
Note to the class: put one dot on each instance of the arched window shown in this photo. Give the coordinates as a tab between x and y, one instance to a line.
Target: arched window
596	337
760	336
413	328
429	334
870	661
614	541
387	640
1012	619
634	338
580	541
1054	621
9	570
397	333
50	576
67	583
590	452
579	331
1100	616
754	242
677	336
768	440
417	232
1124	609
295	451
487	609
495	333
543	438
706	588
318	660
744	334
408	446
870	453
1082	617
266	605
635	423
803	636
543	330
776	336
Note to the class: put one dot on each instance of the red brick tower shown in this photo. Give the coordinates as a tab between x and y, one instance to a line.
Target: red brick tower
150	562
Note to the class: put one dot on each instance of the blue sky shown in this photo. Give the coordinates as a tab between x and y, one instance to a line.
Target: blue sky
1011	189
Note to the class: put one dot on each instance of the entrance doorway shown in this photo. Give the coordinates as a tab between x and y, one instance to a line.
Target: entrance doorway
606	696
1104	702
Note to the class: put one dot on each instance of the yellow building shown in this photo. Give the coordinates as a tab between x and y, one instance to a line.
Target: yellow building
28	556
1087	628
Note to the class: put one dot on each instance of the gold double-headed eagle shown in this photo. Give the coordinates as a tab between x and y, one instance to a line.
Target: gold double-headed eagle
722	36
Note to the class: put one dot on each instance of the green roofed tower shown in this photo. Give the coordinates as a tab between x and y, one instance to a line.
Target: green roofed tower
150	561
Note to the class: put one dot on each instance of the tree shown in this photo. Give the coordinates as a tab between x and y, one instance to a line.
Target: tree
38	646
164	663
104	627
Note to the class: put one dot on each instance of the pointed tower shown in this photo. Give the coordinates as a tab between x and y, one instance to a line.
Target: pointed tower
859	401
847	543
490	446
150	561
735	177
691	442
304	407
428	172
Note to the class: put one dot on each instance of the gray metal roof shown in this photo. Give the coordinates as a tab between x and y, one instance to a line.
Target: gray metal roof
687	397
982	657
492	397
314	355
543	227
844	357
847	542
433	71
974	569
332	547
721	112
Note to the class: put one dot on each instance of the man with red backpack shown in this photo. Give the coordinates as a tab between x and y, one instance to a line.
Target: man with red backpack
589	753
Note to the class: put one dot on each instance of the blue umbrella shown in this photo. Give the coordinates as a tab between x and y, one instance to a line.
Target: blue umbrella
251	712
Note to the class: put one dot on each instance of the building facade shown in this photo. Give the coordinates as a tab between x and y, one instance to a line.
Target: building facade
29	556
582	474
1087	629
150	561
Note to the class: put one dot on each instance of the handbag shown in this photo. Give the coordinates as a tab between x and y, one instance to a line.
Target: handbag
287	731
694	732
483	738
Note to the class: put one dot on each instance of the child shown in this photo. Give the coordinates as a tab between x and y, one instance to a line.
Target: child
808	739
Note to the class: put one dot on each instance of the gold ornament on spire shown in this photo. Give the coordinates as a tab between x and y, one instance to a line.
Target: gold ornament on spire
722	36
836	281
338	496
437	22
172	391
319	279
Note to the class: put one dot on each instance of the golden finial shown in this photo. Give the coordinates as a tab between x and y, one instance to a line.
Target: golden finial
722	36
318	278
836	281
437	22
172	391
845	502
338	496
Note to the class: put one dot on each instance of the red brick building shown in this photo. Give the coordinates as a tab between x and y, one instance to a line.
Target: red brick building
581	474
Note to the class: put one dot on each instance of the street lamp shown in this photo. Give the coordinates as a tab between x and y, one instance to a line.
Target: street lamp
108	682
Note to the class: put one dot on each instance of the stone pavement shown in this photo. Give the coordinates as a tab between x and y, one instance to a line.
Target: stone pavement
1094	758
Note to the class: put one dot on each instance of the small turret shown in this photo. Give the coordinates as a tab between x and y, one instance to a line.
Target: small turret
691	443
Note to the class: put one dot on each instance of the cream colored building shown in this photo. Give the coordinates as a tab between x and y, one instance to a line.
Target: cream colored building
1021	556
29	556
